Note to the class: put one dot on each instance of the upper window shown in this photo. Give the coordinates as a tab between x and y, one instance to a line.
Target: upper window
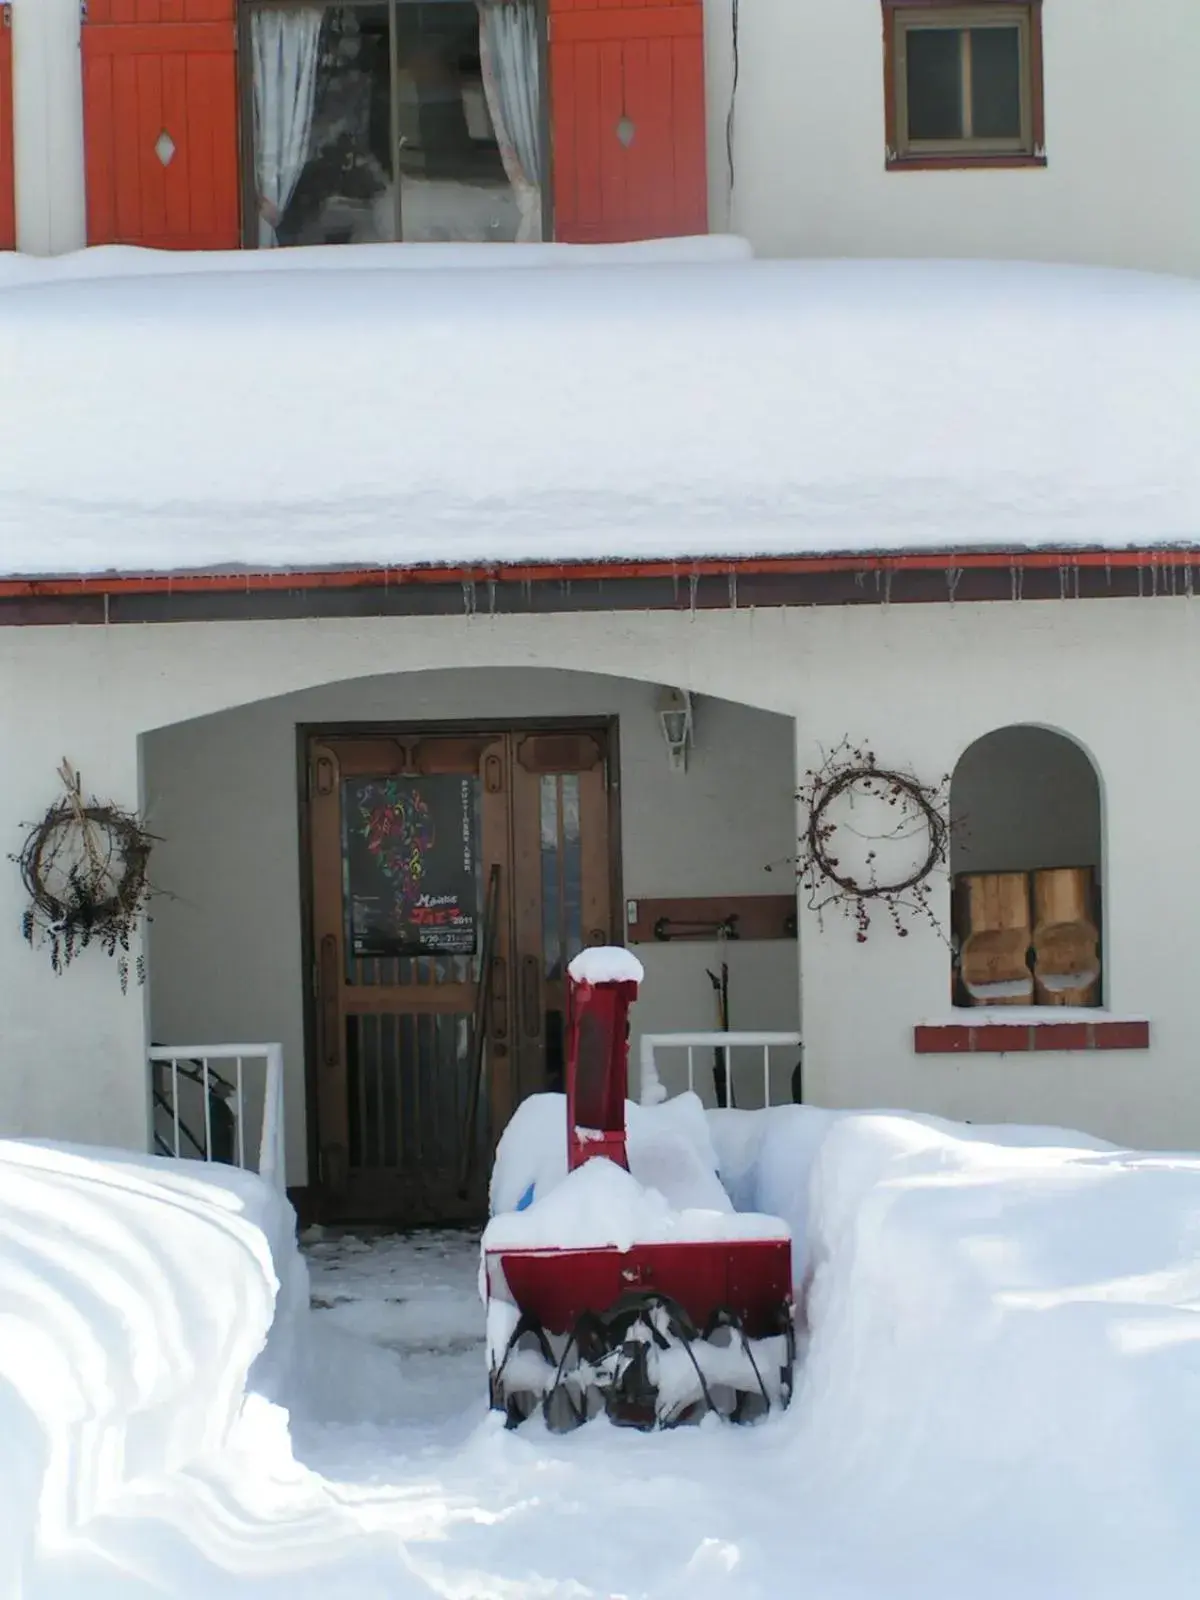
964	84
376	120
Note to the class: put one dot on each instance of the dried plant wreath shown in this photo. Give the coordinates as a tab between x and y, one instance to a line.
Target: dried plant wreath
844	860
84	867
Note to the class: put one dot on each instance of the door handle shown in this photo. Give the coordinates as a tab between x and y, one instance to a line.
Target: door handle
531	996
330	1011
499	999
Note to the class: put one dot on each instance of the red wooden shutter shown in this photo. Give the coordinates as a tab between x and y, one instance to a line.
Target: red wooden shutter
628	119
8	210
160	123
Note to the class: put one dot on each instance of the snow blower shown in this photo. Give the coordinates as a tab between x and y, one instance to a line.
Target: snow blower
654	1335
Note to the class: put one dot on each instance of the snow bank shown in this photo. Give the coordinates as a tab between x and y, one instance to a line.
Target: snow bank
258	411
1006	1348
141	1302
602	1204
668	1148
766	1158
131	261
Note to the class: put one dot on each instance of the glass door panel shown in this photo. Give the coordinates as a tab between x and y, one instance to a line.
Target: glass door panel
322	124
414	119
453	183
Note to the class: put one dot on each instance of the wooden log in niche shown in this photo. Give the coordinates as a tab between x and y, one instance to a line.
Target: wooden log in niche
997	935
1066	942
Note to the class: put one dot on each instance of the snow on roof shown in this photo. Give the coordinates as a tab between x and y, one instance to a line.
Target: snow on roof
182	413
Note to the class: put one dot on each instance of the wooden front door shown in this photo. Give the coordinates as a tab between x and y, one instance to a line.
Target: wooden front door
414	837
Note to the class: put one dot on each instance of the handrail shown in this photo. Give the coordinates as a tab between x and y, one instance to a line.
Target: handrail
270	1154
652	1089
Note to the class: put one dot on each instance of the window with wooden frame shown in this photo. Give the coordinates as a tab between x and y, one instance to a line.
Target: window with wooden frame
963	84
369	121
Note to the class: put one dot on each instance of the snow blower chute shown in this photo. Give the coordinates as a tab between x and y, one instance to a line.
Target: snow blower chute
656	1334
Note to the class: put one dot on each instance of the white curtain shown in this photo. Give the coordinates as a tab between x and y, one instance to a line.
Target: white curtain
510	52
285	46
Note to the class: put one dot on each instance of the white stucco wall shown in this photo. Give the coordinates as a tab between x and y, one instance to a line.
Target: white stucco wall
920	683
225	948
1122	121
1122	141
48	127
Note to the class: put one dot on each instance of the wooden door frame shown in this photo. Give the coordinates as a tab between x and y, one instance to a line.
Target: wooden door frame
308	1197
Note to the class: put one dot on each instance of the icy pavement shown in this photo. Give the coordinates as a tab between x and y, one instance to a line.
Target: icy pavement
416	1295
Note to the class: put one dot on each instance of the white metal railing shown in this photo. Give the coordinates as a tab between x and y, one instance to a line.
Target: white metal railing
652	1088
238	1087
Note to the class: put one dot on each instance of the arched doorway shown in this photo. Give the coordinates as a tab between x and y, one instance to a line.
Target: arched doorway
596	828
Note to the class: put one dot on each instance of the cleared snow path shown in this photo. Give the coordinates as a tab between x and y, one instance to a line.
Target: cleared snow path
483	1513
416	1296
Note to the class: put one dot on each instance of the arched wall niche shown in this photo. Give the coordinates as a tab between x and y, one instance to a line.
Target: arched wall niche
1027	865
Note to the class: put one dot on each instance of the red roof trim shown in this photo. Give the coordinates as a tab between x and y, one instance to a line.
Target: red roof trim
592	571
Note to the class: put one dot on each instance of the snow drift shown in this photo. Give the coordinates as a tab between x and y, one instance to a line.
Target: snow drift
288	410
668	1147
152	1319
1001	1393
1005	1361
136	1297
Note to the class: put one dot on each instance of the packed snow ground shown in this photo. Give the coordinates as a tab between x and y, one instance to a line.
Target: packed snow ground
1001	1396
339	407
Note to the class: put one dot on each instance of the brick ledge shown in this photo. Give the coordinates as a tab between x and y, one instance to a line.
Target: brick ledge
986	1037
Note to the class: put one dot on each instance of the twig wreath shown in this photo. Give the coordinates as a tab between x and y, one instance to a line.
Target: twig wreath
874	837
84	867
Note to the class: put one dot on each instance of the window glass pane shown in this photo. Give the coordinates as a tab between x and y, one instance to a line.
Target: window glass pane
322	125
562	872
572	867
464	71
996	83
934	82
551	869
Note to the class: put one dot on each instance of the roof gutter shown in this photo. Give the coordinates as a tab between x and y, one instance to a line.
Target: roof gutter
594	571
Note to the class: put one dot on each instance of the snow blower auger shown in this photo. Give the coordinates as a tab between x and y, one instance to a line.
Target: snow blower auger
653	1336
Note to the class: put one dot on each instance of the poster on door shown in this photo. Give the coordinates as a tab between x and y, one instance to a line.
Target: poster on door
410	870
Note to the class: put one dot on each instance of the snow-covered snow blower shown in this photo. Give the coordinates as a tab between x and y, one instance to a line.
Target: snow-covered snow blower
690	1313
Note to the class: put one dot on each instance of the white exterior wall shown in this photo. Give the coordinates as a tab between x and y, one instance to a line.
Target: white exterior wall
920	683
225	952
48	127
1122	130
1122	184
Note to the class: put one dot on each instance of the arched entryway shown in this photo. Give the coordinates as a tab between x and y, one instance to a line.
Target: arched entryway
278	922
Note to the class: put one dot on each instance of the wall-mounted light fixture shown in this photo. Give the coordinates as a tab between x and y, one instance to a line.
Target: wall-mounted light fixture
675	716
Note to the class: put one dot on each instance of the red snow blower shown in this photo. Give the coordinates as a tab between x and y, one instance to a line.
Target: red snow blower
653	1336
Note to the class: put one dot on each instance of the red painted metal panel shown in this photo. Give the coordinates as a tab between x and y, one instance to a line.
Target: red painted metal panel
752	1277
628	119
8	216
154	67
